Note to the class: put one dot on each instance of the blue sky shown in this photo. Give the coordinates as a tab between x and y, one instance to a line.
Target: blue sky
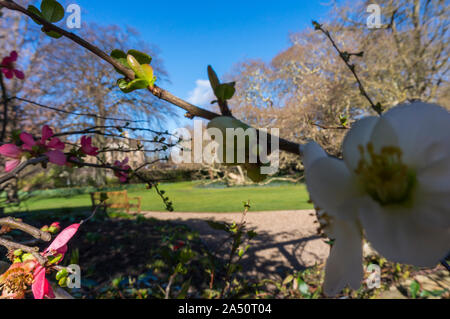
193	34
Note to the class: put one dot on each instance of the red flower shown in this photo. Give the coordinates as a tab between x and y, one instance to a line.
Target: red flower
11	151
53	148
178	245
8	67
86	146
16	279
41	287
47	145
20	275
122	174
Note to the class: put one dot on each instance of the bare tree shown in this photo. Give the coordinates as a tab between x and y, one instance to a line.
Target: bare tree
60	76
309	93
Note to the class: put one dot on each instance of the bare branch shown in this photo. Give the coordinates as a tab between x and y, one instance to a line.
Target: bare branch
33	231
75	113
193	110
350	66
5	107
10	245
13	174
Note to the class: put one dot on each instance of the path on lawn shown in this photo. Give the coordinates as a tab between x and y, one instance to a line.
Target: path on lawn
286	241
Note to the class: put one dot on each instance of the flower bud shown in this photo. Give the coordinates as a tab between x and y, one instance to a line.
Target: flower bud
18	252
63	282
27	257
61	274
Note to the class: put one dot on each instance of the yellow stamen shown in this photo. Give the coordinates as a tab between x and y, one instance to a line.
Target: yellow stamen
384	176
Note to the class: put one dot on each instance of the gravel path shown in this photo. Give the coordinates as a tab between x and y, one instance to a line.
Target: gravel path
286	241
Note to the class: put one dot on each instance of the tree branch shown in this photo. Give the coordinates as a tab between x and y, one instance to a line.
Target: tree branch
5	107
21	167
33	231
192	110
10	245
75	113
345	57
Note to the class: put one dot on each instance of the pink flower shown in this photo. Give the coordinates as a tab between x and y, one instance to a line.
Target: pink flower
8	67
11	151
41	287
123	167
19	275
53	148
86	146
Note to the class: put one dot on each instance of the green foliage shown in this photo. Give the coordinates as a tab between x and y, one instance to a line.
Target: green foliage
139	62
120	57
223	91
51	11
343	119
414	289
141	57
184	289
213	79
130	86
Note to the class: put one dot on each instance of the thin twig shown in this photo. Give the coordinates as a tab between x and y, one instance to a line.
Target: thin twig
167	291
345	58
117	127
330	127
13	174
234	247
75	113
93	213
5	108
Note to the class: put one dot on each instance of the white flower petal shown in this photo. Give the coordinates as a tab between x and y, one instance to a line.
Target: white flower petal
383	134
435	177
420	125
396	234
332	187
436	212
344	265
358	135
312	152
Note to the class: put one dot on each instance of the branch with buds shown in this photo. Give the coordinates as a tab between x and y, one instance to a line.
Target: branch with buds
192	110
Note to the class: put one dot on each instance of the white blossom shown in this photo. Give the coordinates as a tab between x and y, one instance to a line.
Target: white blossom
392	187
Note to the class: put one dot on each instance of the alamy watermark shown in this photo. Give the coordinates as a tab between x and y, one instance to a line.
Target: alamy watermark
235	146
74	276
374	278
374	19
73	21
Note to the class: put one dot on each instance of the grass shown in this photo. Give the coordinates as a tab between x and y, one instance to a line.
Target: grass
188	197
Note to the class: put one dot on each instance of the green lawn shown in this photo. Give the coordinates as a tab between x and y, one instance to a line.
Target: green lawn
186	197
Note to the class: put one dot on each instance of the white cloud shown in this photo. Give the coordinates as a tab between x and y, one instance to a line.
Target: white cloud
202	95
